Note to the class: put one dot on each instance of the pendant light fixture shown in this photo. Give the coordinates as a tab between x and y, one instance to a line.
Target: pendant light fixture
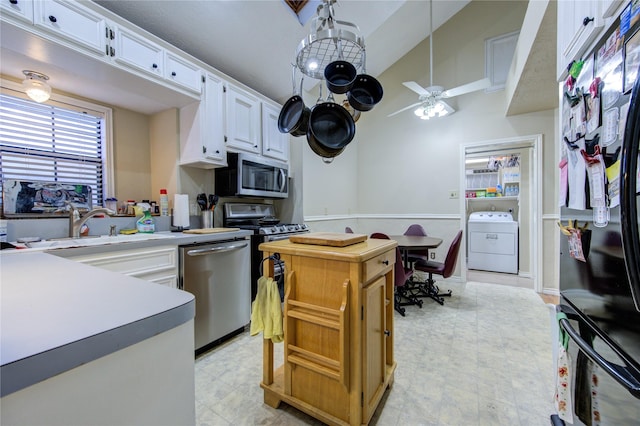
35	86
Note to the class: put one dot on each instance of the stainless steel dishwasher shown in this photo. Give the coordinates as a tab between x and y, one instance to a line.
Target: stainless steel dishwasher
218	275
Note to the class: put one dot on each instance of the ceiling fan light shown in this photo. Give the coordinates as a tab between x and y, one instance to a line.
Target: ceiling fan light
420	111
35	86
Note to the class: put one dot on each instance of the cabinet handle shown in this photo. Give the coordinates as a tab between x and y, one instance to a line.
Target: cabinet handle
255	146
53	19
113	51
385	262
217	151
586	21
13	1
154	66
173	73
387	333
204	149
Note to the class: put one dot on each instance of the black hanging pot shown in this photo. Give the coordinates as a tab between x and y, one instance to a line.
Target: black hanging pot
330	126
294	115
322	151
365	93
340	76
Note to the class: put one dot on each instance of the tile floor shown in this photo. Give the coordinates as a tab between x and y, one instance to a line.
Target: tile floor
484	358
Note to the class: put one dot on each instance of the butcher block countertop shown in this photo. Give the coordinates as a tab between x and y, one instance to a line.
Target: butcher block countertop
358	252
57	314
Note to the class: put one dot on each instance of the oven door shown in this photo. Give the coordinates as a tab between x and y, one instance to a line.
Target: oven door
260	177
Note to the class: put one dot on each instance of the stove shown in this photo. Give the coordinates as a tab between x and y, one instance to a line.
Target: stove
259	218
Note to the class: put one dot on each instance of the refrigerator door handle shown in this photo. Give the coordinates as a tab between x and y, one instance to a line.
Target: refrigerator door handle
618	372
628	193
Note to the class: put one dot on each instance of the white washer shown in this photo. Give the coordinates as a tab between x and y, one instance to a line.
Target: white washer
492	242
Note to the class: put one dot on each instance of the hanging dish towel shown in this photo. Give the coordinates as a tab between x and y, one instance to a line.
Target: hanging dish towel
266	311
563	397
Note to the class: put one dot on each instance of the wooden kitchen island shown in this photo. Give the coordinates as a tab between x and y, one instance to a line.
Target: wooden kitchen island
338	330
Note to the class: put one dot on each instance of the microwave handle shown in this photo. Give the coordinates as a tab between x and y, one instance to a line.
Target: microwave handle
283	179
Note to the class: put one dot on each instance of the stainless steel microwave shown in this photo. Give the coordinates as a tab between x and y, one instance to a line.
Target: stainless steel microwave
252	176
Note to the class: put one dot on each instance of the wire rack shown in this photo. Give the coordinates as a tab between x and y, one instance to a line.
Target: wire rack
315	52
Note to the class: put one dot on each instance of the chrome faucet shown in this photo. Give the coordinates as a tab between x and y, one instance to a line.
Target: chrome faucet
76	220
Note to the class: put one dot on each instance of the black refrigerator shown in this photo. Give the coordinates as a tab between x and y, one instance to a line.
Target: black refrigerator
600	245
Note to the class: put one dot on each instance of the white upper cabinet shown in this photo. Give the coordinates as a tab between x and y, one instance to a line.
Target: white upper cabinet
242	120
21	9
136	51
202	128
182	72
274	143
76	23
579	23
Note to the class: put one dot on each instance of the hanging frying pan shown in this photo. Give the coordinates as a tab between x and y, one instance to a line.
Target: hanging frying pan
294	115
331	126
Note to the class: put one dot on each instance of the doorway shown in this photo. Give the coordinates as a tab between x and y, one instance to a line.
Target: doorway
526	208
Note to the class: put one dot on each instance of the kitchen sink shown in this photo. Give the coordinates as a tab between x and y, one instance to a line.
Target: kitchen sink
95	240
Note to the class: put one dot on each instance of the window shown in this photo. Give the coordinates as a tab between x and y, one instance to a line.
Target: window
61	142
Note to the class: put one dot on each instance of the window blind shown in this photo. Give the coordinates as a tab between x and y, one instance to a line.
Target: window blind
51	143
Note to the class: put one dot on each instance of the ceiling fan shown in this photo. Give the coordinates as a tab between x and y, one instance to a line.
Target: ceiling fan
430	101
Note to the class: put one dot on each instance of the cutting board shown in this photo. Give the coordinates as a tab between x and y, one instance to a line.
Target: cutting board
209	230
333	239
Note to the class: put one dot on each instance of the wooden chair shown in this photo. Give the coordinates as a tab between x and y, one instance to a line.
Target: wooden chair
444	269
402	295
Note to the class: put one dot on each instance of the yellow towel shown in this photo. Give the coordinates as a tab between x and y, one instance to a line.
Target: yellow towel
266	312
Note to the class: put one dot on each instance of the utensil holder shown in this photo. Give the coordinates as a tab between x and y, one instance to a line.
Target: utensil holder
206	217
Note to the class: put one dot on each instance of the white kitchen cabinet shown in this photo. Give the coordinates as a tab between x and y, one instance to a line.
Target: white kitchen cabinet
156	264
21	9
579	23
182	72
136	51
242	120
275	144
76	23
202	128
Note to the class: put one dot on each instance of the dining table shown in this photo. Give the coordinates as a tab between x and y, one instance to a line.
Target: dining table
406	243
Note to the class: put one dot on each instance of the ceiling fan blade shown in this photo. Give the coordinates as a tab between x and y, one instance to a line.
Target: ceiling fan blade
404	109
412	85
466	88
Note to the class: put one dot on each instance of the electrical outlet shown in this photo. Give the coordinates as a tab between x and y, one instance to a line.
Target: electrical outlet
433	255
453	194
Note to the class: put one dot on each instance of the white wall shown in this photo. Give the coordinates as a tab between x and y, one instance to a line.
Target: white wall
404	167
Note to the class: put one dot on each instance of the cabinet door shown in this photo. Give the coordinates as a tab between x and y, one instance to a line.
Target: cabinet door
579	23
214	148
242	120
275	144
202	128
137	52
183	72
373	345
74	22
21	9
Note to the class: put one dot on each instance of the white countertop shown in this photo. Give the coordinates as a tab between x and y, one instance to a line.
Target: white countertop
57	314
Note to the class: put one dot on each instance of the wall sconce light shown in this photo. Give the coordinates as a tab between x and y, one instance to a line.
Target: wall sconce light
35	86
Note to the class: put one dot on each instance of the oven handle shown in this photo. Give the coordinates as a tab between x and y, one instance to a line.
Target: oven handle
621	374
215	250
